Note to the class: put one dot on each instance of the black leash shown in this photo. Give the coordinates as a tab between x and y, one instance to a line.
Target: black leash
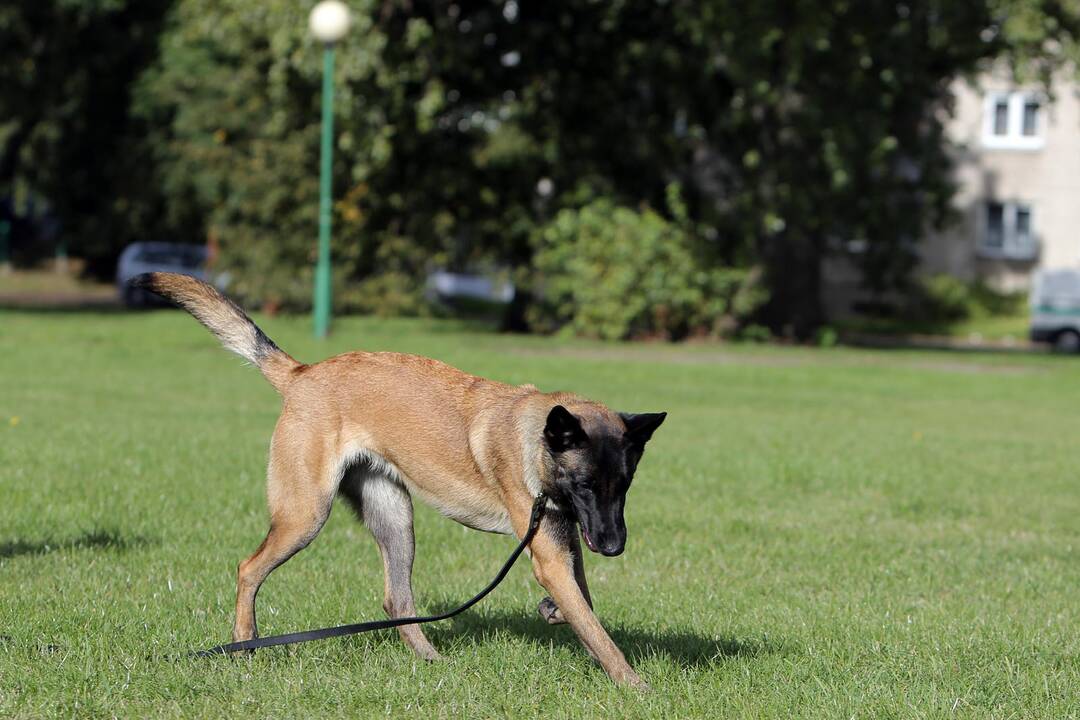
308	635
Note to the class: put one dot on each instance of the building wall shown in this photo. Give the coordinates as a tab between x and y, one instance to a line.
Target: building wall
1046	179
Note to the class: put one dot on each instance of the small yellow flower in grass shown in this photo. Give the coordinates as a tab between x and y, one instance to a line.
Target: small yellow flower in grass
917	435
14	420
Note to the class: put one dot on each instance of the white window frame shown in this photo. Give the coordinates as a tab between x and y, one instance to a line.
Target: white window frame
1012	246
1013	139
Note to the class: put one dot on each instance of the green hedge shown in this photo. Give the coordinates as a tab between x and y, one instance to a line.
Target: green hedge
612	272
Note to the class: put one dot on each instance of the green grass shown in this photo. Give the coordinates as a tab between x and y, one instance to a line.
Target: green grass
812	534
1013	326
996	327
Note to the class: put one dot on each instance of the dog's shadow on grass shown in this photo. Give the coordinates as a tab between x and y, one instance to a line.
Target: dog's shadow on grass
111	540
686	648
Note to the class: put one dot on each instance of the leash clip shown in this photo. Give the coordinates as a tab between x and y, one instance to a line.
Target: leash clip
537	512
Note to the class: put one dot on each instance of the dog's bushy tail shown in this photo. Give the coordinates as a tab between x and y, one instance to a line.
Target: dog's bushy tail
228	322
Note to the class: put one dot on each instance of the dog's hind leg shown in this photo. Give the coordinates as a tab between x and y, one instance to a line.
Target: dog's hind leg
386	508
300	491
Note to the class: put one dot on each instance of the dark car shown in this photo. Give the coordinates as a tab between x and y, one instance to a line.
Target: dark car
143	257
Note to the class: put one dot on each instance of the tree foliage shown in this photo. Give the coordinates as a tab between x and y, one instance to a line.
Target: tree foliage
66	133
466	129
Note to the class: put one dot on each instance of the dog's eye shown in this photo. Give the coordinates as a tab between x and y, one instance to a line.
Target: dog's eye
569	478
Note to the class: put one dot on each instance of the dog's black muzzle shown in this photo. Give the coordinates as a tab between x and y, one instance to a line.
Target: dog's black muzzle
603	532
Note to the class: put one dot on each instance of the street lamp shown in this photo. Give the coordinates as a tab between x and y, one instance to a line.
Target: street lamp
329	21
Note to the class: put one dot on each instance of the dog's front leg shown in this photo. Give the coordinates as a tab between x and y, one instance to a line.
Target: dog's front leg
553	566
547	608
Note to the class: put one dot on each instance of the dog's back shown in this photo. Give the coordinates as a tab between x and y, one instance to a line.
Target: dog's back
441	431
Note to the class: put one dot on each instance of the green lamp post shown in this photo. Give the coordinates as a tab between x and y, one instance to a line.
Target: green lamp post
329	21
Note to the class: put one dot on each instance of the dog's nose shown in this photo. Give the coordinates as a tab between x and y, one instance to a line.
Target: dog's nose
612	546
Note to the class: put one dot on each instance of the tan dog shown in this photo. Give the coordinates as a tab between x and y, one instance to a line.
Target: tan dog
381	427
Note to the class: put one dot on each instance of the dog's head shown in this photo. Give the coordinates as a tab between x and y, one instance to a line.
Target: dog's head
594	464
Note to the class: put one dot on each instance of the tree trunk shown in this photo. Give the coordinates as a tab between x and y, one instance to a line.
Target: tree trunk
793	275
514	320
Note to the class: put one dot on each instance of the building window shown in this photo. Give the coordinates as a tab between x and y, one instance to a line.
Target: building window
1013	121
1008	232
995	226
1022	227
1030	125
1001	118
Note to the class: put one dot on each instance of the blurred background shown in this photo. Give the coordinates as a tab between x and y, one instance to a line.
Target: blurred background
673	169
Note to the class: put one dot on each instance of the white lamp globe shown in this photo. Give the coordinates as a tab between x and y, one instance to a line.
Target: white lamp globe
329	21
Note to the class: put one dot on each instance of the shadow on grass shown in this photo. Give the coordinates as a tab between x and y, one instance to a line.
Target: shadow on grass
111	540
685	648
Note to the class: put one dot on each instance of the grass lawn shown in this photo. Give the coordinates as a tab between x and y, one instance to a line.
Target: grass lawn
1014	327
835	533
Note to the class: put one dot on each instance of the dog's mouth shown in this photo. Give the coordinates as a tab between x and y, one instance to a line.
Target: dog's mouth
584	531
588	540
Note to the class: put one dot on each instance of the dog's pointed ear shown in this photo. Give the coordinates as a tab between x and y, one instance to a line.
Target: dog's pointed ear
641	426
563	430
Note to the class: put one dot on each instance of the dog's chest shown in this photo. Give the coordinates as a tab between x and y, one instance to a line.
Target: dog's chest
488	522
467	511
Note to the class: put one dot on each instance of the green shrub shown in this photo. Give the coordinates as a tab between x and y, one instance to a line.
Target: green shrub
612	272
988	302
397	286
943	298
946	299
755	333
827	336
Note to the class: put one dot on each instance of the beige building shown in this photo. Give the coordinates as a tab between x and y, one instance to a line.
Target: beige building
1018	169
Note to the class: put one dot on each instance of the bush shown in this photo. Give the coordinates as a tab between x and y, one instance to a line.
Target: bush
988	302
755	333
612	272
827	337
945	299
942	298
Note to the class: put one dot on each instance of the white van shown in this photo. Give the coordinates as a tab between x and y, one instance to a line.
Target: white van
1055	309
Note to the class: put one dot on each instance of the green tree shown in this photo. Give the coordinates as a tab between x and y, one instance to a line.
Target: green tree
836	113
66	133
794	128
429	168
464	128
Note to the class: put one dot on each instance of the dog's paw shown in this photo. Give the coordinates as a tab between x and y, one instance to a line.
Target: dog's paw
237	654
419	644
550	612
432	655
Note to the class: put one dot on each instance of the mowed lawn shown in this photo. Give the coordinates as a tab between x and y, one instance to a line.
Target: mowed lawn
832	533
